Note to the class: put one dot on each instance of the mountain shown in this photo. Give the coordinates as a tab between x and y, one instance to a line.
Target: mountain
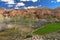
40	13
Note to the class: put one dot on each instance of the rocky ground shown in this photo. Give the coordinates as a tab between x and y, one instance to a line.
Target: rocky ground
51	36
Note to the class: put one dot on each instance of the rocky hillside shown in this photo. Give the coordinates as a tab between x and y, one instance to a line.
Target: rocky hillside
16	28
35	12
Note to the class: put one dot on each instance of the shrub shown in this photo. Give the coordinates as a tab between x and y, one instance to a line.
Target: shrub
24	21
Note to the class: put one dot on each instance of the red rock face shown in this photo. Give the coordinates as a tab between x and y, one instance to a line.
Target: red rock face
36	12
2	10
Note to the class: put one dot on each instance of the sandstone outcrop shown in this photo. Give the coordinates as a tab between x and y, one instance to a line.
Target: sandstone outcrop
40	13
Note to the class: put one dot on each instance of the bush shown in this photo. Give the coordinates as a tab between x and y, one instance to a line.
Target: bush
24	21
1	18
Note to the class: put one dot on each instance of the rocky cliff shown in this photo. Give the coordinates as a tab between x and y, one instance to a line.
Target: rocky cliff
34	12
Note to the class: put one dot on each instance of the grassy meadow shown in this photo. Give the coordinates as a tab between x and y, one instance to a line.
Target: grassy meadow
53	27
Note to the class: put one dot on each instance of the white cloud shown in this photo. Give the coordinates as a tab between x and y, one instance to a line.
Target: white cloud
40	5
53	1
10	5
8	1
34	0
16	8
5	0
30	0
20	4
26	7
23	0
58	0
30	7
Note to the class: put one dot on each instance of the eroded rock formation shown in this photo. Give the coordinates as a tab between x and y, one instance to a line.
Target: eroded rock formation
36	12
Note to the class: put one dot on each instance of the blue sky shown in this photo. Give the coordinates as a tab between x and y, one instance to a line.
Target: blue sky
24	4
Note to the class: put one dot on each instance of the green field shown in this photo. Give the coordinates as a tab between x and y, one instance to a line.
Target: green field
47	29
